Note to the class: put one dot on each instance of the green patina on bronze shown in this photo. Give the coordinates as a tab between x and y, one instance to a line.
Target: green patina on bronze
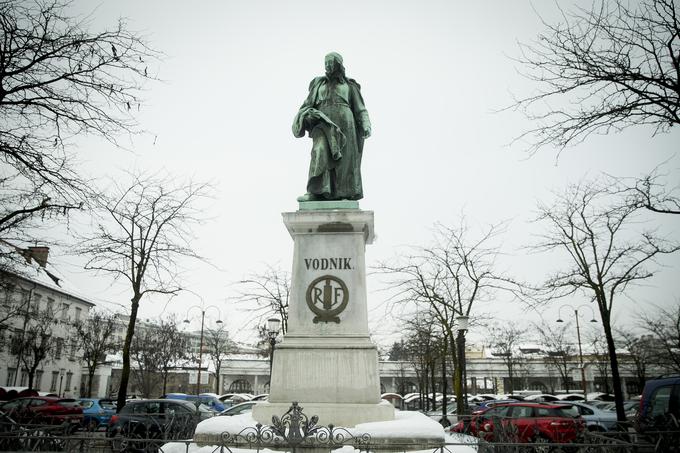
336	119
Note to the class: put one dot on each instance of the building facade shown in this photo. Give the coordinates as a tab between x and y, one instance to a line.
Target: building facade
38	309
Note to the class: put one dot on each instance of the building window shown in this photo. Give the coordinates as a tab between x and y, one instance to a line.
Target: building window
78	313
37	382
53	383
11	374
36	303
3	335
23	380
50	306
59	346
25	299
17	342
64	312
69	376
74	348
240	386
9	290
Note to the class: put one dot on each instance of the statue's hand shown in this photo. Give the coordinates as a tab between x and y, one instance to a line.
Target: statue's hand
367	132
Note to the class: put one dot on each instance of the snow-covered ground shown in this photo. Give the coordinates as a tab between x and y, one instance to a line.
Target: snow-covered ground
408	427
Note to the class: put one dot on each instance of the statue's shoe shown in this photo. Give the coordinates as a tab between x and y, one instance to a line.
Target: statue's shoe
306	197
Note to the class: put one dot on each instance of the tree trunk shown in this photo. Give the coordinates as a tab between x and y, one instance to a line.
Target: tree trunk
217	379
90	378
433	384
425	401
125	372
614	364
31	374
165	382
444	385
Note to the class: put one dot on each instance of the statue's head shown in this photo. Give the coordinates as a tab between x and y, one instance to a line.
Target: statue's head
333	64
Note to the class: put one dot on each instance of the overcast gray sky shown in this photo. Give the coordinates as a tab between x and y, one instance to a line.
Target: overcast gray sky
432	74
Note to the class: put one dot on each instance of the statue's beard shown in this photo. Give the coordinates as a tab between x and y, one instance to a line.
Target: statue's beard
334	76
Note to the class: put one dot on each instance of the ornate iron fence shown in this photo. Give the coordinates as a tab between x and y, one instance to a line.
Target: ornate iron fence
297	433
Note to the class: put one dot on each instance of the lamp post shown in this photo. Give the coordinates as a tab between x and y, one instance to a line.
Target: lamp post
200	345
578	337
273	325
463	322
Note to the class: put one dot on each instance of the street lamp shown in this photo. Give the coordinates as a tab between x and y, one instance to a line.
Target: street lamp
463	322
578	337
273	325
200	345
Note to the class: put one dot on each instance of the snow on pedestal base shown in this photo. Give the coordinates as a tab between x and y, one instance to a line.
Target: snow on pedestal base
408	429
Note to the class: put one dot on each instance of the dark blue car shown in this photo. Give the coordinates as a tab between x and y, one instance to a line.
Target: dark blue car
212	402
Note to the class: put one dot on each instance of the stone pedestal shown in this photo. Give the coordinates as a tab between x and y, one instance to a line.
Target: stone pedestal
326	360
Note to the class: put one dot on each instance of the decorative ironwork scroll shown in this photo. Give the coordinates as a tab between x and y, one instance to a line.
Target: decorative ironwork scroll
294	429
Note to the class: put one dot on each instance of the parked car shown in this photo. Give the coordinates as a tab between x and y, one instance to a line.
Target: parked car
236	397
596	419
238	409
97	412
43	410
525	423
484	405
630	407
162	419
660	405
541	397
570	397
261	397
209	400
451	416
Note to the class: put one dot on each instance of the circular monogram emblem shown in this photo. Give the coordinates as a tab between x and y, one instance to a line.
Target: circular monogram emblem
327	297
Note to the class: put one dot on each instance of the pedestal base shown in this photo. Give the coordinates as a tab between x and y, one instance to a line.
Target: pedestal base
337	414
325	373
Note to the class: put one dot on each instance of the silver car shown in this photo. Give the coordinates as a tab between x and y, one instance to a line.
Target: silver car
596	419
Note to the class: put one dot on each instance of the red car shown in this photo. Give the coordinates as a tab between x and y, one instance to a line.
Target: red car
525	423
43	410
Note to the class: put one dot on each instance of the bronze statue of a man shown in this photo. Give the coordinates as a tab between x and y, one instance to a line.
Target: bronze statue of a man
336	119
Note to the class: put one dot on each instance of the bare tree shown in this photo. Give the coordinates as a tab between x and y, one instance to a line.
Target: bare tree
147	228
505	341
95	335
218	347
594	230
447	279
36	343
58	80
267	294
599	355
171	346
640	354
664	327
649	192
602	70
422	352
560	351
146	350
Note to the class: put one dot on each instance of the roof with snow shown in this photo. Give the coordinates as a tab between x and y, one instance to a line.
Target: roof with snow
31	270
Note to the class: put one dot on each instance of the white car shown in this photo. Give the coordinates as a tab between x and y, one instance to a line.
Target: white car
243	408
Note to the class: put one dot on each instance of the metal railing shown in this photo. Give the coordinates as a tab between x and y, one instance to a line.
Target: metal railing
296	433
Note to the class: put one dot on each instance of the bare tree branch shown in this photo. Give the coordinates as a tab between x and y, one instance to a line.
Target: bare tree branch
594	228
603	70
59	80
146	228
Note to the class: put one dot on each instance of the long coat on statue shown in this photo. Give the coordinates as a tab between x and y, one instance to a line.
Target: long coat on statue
335	117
